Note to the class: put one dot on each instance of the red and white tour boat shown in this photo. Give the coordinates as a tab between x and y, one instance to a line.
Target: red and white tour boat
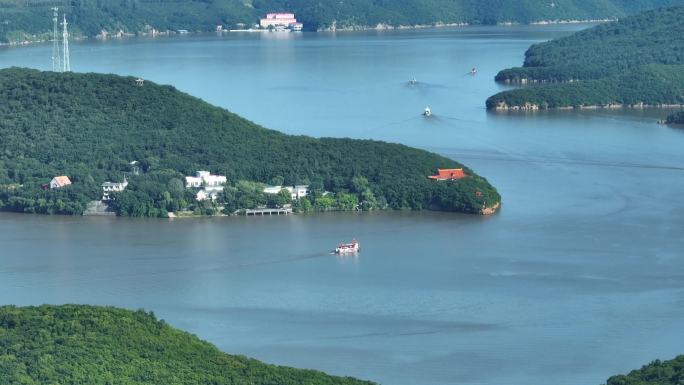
348	248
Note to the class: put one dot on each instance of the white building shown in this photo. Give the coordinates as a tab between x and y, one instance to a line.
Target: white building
109	187
300	192
276	189
296	192
205	179
210	185
208	193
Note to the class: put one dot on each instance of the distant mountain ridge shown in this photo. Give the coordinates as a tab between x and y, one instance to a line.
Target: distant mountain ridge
31	19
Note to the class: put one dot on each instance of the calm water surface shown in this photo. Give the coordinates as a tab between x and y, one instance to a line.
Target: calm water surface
580	276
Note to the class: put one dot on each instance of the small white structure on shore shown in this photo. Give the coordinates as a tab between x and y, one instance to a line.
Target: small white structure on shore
296	192
210	185
109	187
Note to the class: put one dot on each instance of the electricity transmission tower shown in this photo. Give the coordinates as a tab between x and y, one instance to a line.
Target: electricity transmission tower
66	64
56	64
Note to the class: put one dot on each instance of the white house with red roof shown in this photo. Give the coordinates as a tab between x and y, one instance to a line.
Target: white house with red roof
60	181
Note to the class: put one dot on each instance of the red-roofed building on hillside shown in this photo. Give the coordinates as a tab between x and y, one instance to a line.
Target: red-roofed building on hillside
448	174
60	181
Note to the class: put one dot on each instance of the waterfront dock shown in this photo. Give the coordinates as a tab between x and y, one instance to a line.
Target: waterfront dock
262	212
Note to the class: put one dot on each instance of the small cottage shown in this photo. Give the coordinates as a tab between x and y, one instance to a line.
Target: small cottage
60	181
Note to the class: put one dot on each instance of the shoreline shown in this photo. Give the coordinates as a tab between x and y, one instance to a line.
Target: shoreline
616	106
485	211
490	210
378	27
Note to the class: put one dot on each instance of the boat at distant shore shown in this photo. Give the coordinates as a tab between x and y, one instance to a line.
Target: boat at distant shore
348	248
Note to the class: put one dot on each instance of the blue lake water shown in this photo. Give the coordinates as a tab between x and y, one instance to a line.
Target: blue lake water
578	277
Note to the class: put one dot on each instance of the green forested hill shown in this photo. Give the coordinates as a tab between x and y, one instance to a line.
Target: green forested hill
656	373
91	126
633	61
102	345
31	19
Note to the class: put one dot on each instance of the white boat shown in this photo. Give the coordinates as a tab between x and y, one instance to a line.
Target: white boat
413	81
348	248
427	113
280	28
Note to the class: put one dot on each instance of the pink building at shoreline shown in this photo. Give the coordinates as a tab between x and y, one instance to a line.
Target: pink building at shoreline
275	19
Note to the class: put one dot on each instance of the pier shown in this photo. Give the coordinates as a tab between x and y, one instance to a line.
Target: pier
263	212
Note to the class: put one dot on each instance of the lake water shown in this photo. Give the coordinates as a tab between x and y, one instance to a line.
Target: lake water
578	277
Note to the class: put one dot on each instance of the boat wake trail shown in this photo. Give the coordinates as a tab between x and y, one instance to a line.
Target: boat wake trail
246	265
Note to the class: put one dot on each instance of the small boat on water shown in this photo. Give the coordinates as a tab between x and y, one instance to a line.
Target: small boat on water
427	113
473	71
413	81
348	248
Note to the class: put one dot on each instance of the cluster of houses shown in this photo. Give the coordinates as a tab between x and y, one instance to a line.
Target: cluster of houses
209	186
107	187
296	192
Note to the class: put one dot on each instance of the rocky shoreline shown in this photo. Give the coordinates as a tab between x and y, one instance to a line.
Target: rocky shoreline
502	106
490	210
385	27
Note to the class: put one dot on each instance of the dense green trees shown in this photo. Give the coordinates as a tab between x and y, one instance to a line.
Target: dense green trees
656	373
32	19
102	345
653	84
78	344
677	118
91	127
635	60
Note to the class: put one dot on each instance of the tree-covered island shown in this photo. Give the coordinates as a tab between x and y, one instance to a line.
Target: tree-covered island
637	61
676	118
95	128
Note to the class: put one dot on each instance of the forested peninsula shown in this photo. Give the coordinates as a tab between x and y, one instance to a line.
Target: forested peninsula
86	345
25	21
96	128
676	118
635	62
